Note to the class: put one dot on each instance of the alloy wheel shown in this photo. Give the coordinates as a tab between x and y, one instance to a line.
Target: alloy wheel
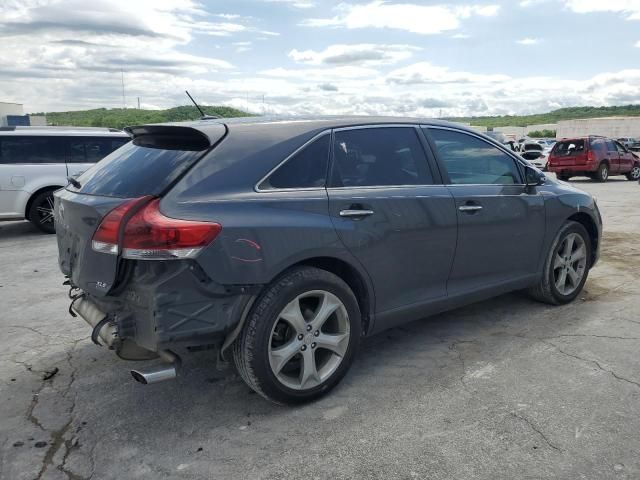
309	340
570	264
45	211
635	173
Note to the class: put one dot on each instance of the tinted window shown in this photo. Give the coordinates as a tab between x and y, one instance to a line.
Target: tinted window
306	169
620	148
132	171
379	157
610	145
569	147
470	160
598	145
92	150
18	149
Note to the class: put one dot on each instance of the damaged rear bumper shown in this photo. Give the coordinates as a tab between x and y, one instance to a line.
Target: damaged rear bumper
160	308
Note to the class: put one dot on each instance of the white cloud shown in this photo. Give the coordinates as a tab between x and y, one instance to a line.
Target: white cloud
638	44
365	54
425	72
295	3
528	41
423	19
631	8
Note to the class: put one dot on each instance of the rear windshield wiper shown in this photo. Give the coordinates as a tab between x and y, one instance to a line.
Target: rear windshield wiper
74	182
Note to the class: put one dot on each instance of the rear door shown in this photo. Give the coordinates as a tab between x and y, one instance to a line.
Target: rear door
612	156
391	213
501	223
84	152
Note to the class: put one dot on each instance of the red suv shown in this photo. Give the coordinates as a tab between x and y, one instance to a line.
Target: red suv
595	157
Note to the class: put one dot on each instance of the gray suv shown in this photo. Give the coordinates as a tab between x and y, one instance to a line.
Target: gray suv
282	242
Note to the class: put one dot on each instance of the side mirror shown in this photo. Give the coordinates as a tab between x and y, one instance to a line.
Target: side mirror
533	177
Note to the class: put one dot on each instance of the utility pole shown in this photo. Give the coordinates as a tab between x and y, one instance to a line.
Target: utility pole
138	103
124	103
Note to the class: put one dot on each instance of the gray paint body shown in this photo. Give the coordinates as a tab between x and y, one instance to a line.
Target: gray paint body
418	254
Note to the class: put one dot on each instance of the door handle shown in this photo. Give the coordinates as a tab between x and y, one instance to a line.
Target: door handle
356	213
469	208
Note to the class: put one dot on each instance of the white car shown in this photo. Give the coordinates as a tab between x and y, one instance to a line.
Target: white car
36	161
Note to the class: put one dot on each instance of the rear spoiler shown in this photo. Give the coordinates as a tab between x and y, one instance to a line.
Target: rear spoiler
177	137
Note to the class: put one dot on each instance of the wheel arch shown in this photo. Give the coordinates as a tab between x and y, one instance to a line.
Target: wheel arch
352	277
589	224
35	194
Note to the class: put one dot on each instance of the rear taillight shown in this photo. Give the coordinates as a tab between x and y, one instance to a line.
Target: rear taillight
106	238
591	158
148	234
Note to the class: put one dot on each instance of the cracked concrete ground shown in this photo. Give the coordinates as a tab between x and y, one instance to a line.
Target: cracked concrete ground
504	389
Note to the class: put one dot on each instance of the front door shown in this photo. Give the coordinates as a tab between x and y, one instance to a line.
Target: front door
501	223
389	213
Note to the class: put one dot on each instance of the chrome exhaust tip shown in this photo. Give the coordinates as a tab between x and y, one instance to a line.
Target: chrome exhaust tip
159	373
154	374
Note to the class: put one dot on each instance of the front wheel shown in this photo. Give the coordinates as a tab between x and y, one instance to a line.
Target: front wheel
634	174
567	266
41	212
300	337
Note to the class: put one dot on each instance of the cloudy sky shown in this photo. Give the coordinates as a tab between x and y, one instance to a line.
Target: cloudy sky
426	58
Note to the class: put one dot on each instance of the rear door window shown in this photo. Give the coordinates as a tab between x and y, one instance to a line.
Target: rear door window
31	150
620	148
93	149
133	171
305	169
598	145
385	156
470	160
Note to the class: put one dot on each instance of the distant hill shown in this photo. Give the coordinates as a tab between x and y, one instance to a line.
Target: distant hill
120	117
570	113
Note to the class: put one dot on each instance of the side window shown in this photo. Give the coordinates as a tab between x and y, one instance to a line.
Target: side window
29	150
620	148
598	145
470	160
92	150
306	169
384	156
610	145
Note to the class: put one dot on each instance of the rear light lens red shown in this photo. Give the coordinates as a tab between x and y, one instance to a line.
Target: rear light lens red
148	234
106	237
591	156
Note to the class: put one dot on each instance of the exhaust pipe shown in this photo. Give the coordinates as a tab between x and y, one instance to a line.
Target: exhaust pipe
159	373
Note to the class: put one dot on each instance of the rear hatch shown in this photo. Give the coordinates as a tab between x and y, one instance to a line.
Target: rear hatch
146	167
569	153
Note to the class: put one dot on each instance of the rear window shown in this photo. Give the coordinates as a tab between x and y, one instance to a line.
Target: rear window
569	148
133	171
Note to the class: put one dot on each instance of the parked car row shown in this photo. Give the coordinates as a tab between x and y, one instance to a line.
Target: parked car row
36	161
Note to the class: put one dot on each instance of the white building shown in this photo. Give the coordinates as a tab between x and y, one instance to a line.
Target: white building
8	108
613	127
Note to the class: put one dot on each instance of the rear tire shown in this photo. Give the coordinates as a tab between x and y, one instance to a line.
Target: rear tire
602	174
41	212
566	268
634	174
286	352
563	178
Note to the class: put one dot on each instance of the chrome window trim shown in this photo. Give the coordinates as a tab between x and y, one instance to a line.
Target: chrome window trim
377	125
257	188
518	161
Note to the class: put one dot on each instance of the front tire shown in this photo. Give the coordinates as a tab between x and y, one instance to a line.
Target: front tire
300	336
634	174
567	266
41	212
